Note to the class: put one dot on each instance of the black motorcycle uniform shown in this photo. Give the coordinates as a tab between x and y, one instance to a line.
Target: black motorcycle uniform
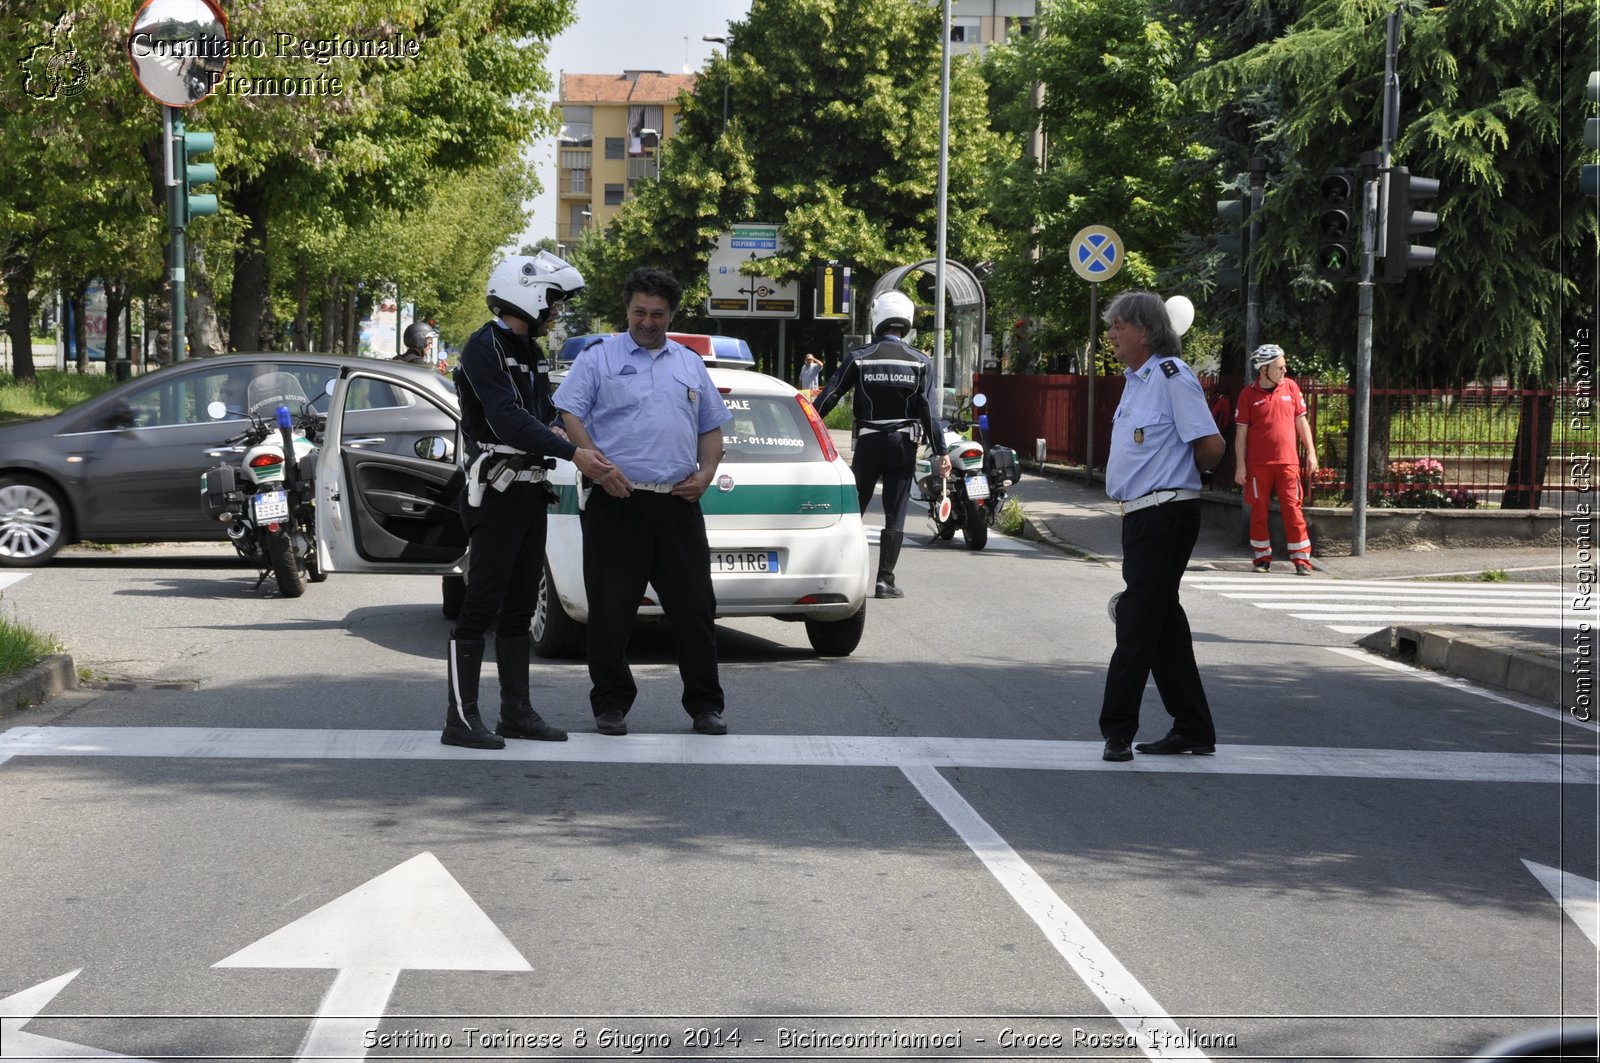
504	385
894	408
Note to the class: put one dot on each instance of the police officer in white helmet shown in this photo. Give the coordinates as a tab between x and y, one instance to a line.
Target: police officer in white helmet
894	408
506	417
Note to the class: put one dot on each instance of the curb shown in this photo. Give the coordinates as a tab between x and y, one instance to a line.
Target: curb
44	680
1039	532
1472	657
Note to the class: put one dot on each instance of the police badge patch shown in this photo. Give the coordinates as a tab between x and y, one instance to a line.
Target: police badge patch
1138	435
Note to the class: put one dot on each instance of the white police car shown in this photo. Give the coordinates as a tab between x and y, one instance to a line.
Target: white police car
785	533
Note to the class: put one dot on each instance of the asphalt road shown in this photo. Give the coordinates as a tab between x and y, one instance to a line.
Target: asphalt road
244	836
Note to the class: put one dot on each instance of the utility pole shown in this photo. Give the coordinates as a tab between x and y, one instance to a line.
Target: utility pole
944	205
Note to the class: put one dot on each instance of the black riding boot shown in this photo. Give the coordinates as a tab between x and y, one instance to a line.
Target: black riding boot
462	725
517	718
888	553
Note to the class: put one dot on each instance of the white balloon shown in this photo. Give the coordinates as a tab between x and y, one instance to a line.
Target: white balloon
1180	311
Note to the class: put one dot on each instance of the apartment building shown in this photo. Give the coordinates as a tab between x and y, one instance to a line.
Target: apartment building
612	126
975	24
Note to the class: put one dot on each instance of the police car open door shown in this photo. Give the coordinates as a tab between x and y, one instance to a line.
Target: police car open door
387	479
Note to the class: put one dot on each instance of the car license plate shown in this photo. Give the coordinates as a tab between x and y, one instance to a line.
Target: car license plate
977	486
272	505
745	561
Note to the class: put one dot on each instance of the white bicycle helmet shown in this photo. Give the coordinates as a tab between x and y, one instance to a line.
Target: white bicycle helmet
1265	355
891	308
525	285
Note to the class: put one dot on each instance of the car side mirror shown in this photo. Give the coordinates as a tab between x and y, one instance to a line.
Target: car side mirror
435	448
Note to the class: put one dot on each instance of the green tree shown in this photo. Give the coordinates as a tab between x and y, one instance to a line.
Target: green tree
1120	154
1487	95
834	134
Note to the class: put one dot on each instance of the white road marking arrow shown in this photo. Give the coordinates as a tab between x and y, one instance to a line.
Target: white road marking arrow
20	1008
1579	897
413	917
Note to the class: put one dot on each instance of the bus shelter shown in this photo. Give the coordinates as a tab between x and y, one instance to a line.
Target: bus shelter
964	322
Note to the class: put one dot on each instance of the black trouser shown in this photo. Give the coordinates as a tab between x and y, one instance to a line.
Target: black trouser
658	539
506	534
892	456
1152	629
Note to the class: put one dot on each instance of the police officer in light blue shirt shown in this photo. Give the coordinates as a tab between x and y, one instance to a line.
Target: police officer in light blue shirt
1162	436
648	404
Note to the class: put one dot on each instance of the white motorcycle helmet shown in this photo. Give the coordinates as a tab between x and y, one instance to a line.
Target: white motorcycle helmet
526	285
891	308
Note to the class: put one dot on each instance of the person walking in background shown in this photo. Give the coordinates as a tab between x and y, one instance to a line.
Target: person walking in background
1271	420
418	339
650	403
1162	437
811	375
893	407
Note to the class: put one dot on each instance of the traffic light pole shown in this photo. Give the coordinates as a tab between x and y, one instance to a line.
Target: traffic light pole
177	283
1252	311
1361	402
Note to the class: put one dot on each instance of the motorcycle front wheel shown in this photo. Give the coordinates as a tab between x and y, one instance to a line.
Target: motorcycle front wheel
286	564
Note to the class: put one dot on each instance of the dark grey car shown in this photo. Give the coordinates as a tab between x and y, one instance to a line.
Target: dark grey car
124	467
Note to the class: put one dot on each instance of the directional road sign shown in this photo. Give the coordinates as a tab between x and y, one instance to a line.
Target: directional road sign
1096	253
736	294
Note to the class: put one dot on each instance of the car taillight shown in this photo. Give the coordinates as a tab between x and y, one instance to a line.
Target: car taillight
829	451
262	461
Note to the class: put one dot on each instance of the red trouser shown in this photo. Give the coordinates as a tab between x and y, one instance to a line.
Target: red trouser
1259	483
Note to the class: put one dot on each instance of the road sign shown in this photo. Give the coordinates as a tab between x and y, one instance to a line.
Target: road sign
1096	253
736	294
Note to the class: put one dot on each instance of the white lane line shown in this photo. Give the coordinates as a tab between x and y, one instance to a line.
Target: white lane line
1579	897
1284	582
1460	684
1550	602
792	750
1355	629
1460	607
1542	623
1117	989
8	579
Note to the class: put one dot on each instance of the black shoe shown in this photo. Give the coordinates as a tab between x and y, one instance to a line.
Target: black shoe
709	723
471	735
885	589
1175	743
1117	751
610	722
527	724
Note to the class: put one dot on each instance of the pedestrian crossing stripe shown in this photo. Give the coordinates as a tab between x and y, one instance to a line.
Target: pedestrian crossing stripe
1373	604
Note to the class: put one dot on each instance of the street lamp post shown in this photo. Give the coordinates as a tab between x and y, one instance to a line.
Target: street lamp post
727	74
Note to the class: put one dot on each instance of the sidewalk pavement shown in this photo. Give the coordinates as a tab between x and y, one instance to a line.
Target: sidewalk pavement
1060	510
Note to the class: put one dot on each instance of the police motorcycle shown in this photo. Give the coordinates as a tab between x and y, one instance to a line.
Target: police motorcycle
268	500
971	497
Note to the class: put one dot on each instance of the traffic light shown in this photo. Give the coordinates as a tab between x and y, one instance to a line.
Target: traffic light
1399	253
1340	190
1232	243
1589	179
195	143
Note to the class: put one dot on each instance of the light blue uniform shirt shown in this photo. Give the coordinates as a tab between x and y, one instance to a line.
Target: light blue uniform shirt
1162	413
644	411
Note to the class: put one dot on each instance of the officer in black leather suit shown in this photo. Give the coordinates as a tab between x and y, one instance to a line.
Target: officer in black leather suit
894	407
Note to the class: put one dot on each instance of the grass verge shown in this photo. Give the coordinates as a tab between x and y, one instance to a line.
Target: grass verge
21	647
49	393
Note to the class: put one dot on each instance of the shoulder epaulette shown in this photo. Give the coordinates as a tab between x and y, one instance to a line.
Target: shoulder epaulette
1169	367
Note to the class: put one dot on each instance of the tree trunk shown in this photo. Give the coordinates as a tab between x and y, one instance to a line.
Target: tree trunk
302	310
116	300
330	314
1530	454
251	280
18	273
77	306
200	311
351	329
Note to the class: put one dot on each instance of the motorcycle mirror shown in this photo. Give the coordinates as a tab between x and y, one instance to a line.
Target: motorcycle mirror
216	411
980	400
327	389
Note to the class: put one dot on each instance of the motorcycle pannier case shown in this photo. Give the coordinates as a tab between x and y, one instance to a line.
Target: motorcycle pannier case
1003	465
219	493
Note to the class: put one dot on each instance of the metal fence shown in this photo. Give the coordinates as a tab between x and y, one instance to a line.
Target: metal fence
1428	447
